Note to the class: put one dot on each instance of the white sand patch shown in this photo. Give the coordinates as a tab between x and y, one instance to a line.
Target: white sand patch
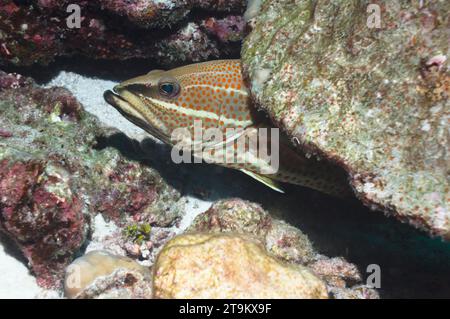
89	91
194	207
15	278
101	231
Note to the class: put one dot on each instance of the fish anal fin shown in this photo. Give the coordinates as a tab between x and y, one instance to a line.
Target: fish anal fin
265	180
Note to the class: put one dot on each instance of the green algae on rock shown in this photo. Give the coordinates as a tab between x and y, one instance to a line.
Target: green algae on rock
374	100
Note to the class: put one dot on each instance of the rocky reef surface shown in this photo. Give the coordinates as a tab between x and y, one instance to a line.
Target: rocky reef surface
169	32
94	214
53	180
233	250
364	84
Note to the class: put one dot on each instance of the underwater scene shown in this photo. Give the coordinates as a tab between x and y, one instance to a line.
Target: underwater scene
224	149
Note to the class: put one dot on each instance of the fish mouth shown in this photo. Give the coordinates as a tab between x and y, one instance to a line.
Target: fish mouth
127	110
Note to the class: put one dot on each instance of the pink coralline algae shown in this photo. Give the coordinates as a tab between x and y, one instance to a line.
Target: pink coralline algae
126	193
47	227
10	81
229	29
70	108
158	13
118	29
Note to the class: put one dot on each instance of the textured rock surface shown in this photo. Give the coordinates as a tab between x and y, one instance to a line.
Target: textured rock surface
121	284
99	274
166	31
374	100
228	266
285	242
40	211
53	180
239	216
234	215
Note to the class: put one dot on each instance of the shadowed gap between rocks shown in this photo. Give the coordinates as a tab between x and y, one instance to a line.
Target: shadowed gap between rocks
11	248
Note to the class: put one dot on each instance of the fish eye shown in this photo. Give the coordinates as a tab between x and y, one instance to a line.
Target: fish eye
169	89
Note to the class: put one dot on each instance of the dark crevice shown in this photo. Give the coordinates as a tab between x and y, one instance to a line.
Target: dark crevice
103	69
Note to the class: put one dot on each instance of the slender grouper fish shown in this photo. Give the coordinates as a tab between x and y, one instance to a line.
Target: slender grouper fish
214	92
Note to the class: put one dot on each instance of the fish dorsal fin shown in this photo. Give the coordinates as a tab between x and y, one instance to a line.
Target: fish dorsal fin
265	180
153	72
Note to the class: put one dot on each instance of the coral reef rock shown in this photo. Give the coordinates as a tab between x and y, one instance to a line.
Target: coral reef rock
53	180
285	242
99	274
239	216
228	266
167	31
40	211
364	84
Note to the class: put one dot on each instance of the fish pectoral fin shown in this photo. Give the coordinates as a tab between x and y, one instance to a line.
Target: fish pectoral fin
265	180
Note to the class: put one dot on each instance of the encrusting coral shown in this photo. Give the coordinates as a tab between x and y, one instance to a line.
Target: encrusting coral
97	272
202	265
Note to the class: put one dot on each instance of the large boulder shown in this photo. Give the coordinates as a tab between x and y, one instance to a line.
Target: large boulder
366	85
229	266
40	210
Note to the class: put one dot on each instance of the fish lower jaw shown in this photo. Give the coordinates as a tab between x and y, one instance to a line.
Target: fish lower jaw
122	105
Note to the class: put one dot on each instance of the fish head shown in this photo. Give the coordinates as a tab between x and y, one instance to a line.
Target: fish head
135	100
162	101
